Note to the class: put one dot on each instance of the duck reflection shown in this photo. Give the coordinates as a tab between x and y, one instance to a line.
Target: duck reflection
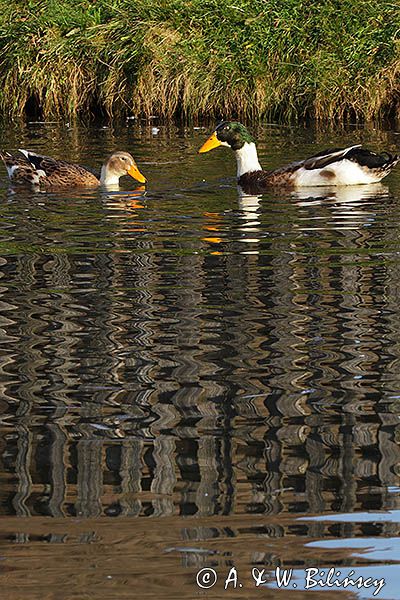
165	379
341	209
250	211
129	199
249	197
342	194
350	203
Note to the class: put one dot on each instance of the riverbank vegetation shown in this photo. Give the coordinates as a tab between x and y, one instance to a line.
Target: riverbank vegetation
200	58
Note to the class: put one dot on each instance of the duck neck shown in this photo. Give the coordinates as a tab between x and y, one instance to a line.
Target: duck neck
108	177
247	159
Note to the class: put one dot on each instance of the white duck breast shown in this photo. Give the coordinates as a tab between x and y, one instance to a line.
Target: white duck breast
247	159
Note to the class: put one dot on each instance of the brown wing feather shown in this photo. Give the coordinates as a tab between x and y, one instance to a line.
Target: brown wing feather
60	173
67	174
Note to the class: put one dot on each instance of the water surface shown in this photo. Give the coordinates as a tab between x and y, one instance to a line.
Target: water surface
190	377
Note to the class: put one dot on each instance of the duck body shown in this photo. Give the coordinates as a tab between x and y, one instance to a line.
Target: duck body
30	169
339	166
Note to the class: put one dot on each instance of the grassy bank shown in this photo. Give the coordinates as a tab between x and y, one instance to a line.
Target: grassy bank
323	59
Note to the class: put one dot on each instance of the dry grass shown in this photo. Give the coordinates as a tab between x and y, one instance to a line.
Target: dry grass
254	58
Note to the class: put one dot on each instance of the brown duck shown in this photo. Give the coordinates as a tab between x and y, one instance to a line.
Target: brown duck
43	172
338	166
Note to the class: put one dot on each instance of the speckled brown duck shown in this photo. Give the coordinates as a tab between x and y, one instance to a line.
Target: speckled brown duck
43	172
339	166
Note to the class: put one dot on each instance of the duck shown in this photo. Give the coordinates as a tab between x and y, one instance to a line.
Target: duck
43	172
338	166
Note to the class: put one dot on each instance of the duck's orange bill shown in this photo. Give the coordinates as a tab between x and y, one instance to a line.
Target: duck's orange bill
134	172
212	142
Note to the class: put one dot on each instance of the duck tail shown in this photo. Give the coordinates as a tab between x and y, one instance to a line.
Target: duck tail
4	155
391	160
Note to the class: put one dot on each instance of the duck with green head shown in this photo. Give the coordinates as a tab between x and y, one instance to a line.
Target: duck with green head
338	166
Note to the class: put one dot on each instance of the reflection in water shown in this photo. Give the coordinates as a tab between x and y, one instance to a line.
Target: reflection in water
346	194
186	354
250	215
204	382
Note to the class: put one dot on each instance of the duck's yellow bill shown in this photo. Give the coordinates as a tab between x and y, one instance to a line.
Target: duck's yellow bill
212	142
134	172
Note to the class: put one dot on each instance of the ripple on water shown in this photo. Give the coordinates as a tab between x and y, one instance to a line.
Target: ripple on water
218	362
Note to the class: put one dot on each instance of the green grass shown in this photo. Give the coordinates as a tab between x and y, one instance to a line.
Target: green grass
201	58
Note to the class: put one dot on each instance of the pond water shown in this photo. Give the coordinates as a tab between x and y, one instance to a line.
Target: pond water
192	379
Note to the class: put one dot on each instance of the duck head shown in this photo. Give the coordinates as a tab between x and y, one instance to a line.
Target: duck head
117	165
232	134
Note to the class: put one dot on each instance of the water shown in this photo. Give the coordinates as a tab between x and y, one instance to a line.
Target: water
190	379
